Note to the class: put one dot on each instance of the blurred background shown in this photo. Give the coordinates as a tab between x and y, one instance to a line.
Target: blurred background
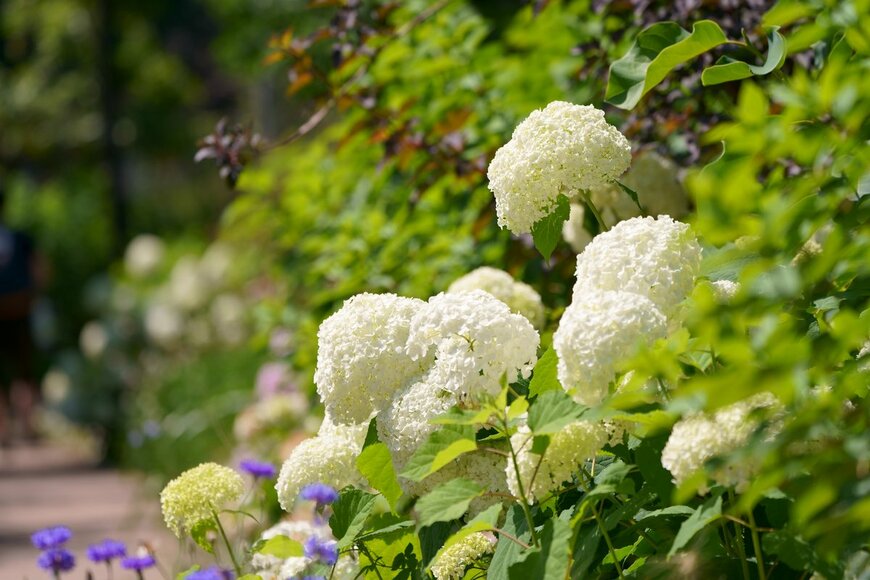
341	146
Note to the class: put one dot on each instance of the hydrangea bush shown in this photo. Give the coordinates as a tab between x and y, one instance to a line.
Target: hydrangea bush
694	407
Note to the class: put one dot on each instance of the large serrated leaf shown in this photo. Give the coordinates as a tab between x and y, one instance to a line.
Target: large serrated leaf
544	377
728	69
548	231
656	51
551	411
281	547
349	515
706	513
551	560
376	465
448	501
442	447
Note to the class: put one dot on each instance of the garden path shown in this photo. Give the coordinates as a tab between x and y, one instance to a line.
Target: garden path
49	484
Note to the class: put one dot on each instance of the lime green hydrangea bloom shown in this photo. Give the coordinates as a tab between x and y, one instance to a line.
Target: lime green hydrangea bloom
195	495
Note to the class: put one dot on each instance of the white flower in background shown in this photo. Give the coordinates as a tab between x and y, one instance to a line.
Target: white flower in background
596	334
270	567
655	257
699	438
451	563
361	362
93	339
56	385
568	450
188	288
278	412
228	317
144	255
163	324
216	263
561	149
573	230
656	181
724	290
519	296
281	342
475	340
329	457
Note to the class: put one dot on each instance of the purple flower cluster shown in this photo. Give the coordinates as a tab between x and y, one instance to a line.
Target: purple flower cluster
259	469
319	492
213	573
325	551
138	563
54	556
106	551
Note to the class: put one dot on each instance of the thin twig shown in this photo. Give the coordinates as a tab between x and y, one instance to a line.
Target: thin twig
511	537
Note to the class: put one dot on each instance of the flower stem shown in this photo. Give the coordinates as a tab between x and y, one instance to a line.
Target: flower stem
756	545
588	201
523	501
741	550
223	534
601	527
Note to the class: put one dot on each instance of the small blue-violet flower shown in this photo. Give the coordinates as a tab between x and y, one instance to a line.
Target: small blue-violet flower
106	551
53	537
213	573
325	551
319	492
259	469
138	562
56	560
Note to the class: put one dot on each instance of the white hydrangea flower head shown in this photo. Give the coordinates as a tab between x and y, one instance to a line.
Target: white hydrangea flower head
164	324
143	255
574	231
724	291
329	457
197	494
599	332
656	181
361	361
568	450
561	149
188	289
451	563
699	438
93	339
475	340
655	257
519	296
405	424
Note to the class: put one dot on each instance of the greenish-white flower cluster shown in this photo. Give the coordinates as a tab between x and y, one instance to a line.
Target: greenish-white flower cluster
569	448
559	150
197	495
453	561
519	296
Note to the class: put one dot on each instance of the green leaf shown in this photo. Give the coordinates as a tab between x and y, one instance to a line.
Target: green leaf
281	547
798	554
433	537
548	231
585	548
349	515
386	530
550	561
507	551
544	377
376	465
482	522
199	533
442	447
708	512
448	501
632	194
551	411
728	69
656	51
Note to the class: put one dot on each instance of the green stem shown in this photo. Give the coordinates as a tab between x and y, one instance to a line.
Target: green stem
741	550
756	545
223	534
601	527
364	550
523	501
588	201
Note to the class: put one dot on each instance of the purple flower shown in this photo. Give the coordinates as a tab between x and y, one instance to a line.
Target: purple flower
259	468
138	562
314	577
213	573
324	550
106	551
56	560
49	538
319	492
